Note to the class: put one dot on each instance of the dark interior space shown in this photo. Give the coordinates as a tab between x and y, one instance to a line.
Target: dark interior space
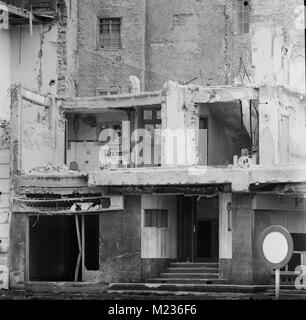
207	240
53	248
92	242
198	229
204	239
299	244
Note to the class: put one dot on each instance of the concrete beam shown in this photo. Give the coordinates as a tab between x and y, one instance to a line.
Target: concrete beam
225	94
239	178
178	176
278	174
85	104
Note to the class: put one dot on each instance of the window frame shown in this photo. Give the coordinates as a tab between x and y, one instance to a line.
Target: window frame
99	33
243	12
109	91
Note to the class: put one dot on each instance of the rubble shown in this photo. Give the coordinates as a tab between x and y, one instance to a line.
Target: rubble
54	169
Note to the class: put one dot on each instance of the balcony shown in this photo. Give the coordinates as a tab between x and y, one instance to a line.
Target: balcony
46	5
30	11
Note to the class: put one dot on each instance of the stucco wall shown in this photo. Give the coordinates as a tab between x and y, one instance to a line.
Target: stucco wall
42	135
5	79
187	40
274	141
120	243
104	68
34	58
277	36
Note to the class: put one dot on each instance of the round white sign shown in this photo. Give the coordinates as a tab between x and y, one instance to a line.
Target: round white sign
275	247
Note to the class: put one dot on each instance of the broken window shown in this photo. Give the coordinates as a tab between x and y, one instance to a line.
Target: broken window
110	33
243	15
157	218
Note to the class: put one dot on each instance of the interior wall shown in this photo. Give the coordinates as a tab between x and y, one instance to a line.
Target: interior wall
82	138
34	58
159	242
220	149
42	136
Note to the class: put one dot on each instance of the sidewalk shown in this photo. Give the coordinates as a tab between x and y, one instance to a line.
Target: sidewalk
23	295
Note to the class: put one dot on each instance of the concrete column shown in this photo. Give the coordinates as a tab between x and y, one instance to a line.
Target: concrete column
5	137
225	235
268	126
243	225
179	119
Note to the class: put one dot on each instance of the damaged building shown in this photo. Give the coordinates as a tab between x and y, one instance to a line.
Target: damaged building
114	175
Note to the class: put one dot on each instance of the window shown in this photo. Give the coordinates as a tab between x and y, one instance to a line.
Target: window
157	218
107	91
151	119
243	16
110	33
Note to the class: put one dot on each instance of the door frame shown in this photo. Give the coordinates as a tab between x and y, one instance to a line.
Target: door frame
186	237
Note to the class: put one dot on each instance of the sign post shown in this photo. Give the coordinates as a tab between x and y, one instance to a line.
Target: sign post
275	246
277	283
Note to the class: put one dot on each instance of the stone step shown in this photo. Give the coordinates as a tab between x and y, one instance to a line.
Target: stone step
153	288
194	264
186	280
202	275
192	270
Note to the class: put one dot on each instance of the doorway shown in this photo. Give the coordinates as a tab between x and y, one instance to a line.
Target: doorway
62	248
198	229
53	248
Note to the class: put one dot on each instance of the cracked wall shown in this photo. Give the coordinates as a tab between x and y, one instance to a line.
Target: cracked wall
187	40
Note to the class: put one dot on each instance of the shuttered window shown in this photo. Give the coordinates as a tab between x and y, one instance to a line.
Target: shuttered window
243	16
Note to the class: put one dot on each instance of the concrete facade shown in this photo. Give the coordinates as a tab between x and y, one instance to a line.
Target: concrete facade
245	88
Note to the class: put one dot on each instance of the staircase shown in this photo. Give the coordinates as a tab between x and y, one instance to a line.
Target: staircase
183	278
190	273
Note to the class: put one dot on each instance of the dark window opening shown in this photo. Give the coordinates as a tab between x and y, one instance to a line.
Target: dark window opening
110	33
299	244
53	248
92	242
157	218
